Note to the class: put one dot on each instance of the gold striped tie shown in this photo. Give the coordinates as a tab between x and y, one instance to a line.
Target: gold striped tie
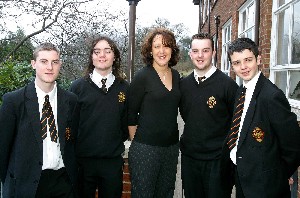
48	119
236	119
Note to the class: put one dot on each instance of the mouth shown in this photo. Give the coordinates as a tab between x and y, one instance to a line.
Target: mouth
162	57
245	73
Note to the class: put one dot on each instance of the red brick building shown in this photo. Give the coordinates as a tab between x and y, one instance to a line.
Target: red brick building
273	24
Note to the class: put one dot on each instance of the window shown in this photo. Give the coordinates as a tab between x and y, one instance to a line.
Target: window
246	24
285	51
205	10
247	20
226	39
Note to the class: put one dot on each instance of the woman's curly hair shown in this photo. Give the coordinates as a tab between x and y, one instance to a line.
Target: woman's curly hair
168	41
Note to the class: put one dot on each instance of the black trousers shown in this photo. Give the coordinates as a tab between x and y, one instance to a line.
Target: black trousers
104	174
203	178
152	170
238	188
55	183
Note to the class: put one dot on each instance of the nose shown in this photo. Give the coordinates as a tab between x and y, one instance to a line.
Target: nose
162	49
200	53
243	65
49	66
101	53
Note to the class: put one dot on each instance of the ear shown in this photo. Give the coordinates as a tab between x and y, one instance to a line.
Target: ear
33	62
190	54
213	54
258	60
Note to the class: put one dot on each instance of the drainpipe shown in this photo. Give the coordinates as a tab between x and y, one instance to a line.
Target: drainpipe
217	22
257	21
209	17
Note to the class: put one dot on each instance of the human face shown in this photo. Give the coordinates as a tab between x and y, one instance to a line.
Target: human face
47	66
244	64
161	54
103	57
201	54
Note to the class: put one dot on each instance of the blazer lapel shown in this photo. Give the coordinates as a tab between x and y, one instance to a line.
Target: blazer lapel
251	110
32	107
62	116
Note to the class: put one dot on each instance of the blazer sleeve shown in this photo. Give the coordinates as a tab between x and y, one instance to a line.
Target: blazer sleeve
285	126
8	119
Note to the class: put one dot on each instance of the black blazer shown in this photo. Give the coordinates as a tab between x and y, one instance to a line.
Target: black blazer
21	151
269	145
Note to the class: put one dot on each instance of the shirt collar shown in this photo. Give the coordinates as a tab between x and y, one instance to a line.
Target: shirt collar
251	83
41	94
207	75
96	77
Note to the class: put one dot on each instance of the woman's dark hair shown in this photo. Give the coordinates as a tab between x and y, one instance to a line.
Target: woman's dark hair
168	41
116	67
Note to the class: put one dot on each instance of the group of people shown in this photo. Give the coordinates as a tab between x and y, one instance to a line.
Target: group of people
59	143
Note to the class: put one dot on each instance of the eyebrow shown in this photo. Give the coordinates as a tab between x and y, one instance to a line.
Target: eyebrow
44	59
201	49
100	48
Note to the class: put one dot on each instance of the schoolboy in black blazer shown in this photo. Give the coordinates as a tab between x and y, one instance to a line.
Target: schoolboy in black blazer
34	163
267	149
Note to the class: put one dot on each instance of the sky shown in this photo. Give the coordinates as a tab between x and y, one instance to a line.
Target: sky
175	11
147	11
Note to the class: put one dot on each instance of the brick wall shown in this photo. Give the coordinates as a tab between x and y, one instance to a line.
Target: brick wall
126	181
228	9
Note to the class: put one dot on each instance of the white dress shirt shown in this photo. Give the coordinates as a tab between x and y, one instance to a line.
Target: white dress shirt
52	158
250	86
207	75
96	78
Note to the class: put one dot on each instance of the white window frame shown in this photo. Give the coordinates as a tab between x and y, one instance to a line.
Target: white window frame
244	32
226	39
289	67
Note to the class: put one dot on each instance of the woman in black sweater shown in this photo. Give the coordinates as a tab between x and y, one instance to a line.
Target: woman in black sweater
152	118
102	97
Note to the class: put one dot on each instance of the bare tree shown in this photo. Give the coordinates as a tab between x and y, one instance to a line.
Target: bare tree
68	23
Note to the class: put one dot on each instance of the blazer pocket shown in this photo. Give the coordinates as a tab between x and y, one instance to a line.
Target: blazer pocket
257	133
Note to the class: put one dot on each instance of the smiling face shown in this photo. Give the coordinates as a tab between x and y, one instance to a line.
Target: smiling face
161	54
201	54
244	64
103	57
47	65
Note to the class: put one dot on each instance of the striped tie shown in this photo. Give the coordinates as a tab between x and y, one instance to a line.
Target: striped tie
48	118
235	125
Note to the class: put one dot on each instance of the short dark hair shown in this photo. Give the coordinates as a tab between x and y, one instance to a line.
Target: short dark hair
203	35
240	45
168	40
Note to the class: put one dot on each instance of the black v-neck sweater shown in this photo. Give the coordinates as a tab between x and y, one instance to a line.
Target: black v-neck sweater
206	109
103	118
154	108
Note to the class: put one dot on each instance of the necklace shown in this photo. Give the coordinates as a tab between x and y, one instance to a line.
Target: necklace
164	73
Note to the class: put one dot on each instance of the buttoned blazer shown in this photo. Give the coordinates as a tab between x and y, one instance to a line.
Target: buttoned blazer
21	152
269	144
